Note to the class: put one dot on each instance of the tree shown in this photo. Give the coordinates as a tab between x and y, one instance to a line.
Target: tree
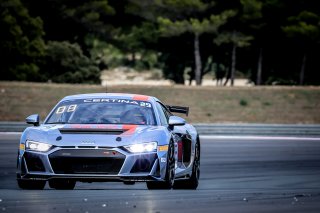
304	29
175	36
197	28
137	40
21	43
73	20
252	16
237	40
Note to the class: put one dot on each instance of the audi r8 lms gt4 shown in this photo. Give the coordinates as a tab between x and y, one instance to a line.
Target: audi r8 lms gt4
109	137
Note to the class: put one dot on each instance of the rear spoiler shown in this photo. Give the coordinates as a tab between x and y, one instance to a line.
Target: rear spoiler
178	109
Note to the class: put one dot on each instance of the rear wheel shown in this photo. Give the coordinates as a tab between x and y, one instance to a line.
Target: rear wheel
63	184
31	184
170	172
193	181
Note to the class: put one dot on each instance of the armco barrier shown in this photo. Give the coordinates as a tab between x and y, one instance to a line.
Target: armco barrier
259	129
222	129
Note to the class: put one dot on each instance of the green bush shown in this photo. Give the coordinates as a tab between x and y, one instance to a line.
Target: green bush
65	63
243	102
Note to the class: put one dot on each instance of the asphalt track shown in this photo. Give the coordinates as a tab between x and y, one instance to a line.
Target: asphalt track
246	174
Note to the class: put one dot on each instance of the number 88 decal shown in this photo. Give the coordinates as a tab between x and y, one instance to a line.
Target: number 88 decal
70	108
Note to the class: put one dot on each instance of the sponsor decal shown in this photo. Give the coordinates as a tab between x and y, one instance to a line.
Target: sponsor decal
140	101
163	160
110	153
163	148
22	147
140	98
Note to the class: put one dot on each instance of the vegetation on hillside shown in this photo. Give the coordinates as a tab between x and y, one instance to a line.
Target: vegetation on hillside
269	41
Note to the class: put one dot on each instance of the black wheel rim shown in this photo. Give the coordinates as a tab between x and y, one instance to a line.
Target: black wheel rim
197	161
171	164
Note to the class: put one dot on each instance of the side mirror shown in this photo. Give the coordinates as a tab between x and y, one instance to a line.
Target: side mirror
33	119
176	121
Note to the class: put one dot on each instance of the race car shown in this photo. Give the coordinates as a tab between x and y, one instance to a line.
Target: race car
109	137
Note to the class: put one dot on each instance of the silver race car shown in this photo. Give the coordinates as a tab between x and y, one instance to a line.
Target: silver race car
110	137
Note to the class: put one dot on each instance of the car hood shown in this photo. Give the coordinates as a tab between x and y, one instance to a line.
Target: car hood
95	134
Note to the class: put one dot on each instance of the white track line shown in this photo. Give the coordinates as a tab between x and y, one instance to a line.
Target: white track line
258	137
10	133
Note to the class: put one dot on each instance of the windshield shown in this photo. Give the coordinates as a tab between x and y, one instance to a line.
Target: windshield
103	111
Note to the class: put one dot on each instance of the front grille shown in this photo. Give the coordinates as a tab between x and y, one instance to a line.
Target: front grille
86	161
34	163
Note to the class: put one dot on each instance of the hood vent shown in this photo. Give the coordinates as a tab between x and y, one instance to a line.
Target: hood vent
92	131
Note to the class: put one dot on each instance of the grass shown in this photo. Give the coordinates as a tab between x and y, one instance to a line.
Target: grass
207	104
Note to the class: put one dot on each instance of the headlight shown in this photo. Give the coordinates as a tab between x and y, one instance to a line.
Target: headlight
142	147
37	146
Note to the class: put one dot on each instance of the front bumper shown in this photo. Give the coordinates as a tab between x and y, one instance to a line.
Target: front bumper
91	164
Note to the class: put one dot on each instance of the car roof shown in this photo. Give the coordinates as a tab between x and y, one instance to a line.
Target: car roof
129	96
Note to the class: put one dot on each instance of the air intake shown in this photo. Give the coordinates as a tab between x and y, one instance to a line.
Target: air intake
92	131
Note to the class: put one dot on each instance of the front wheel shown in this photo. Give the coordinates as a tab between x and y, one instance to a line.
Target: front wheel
193	181
170	172
31	184
63	184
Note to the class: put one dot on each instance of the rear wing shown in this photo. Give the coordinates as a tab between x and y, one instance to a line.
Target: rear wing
178	109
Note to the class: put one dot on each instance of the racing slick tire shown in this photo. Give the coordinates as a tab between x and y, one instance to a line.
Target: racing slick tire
170	172
193	181
31	184
63	184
